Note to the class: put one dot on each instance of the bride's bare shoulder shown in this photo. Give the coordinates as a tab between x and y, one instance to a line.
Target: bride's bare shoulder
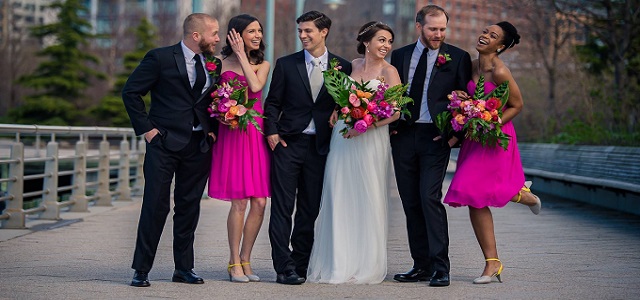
391	74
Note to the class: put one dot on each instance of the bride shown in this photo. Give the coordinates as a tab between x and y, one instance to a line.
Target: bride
351	229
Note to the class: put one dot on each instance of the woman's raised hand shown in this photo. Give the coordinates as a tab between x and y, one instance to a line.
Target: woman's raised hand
236	42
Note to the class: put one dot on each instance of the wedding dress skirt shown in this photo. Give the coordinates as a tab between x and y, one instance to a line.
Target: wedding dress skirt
351	230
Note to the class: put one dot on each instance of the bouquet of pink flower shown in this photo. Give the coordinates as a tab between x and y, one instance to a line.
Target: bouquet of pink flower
361	106
480	118
232	106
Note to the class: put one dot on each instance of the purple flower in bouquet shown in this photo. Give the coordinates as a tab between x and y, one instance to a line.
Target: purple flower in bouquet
223	107
379	94
383	110
456	126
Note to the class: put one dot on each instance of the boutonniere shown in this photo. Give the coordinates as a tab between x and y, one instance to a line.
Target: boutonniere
442	59
211	65
335	64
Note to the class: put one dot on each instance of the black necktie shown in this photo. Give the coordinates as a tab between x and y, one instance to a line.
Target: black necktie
417	86
201	79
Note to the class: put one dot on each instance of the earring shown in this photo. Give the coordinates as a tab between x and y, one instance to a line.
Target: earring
498	50
367	47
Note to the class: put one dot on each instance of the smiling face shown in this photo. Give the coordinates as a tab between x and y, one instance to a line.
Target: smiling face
380	44
433	32
313	39
490	40
208	38
252	36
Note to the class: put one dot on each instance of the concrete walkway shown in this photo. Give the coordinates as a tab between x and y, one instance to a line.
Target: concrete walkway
569	251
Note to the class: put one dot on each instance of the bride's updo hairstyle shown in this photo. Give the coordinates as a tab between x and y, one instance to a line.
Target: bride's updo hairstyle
368	31
240	23
511	36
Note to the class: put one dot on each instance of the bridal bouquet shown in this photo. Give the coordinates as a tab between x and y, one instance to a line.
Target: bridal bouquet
480	117
361	106
232	106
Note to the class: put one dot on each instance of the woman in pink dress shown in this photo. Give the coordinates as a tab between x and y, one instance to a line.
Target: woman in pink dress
491	176
240	164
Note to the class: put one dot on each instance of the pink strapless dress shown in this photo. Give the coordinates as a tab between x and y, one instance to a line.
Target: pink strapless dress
486	176
240	163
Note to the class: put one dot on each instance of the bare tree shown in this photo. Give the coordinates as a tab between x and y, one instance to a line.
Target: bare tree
549	38
17	52
616	23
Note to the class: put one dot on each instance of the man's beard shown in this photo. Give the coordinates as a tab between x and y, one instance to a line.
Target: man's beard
429	44
205	48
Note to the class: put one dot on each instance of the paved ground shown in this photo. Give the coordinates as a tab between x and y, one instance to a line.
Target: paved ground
569	251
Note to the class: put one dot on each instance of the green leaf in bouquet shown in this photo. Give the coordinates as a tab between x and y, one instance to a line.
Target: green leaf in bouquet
337	83
250	102
362	86
398	93
479	93
252	114
443	122
238	94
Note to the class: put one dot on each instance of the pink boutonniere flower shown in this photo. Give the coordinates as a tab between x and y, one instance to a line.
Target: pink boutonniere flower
211	64
442	59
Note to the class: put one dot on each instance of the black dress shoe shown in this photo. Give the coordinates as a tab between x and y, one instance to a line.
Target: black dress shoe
302	273
413	275
439	278
187	277
140	279
289	277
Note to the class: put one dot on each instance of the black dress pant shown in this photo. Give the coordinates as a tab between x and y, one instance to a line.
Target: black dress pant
420	167
297	173
191	169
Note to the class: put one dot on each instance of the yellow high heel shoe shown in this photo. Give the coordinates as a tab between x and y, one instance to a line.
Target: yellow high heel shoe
241	278
252	277
487	279
535	209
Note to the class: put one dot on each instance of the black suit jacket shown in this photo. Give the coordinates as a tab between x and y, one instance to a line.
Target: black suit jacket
453	75
163	71
289	106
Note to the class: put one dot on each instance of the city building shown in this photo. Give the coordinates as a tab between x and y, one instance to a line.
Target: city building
17	16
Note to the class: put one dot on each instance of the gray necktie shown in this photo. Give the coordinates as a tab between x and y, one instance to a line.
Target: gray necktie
315	78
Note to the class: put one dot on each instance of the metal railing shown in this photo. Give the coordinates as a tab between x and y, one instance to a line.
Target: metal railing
91	156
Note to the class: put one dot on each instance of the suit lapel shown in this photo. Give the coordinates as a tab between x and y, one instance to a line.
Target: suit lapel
302	70
178	55
406	63
435	69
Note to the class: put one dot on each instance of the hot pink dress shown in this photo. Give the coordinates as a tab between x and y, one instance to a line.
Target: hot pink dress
240	163
485	175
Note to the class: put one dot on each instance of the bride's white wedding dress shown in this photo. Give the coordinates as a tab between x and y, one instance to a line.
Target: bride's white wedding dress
351	230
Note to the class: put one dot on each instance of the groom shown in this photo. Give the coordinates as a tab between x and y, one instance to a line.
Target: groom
433	69
297	112
179	134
